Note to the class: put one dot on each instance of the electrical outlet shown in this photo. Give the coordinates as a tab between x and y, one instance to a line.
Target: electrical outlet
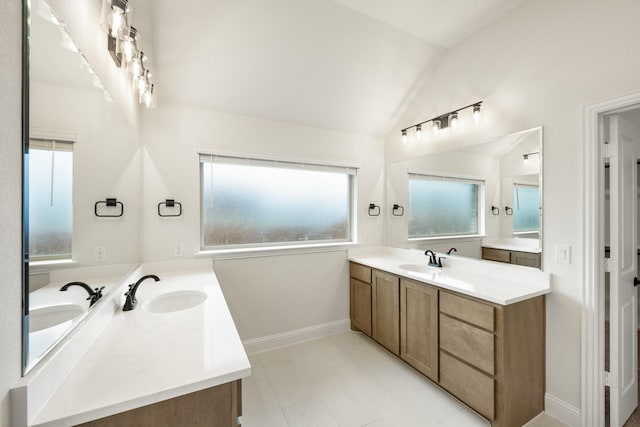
178	249
99	253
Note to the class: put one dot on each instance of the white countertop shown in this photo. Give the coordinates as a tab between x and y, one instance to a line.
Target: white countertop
491	281
513	244
142	358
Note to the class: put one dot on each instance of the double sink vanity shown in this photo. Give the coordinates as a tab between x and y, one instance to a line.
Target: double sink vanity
475	328
175	359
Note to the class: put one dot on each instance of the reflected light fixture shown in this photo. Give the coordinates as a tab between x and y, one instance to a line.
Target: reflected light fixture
443	121
123	44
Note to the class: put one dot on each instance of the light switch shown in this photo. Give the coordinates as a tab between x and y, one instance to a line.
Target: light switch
563	254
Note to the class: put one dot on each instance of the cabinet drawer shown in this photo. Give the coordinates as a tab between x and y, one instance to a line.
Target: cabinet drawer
468	310
496	255
473	345
525	258
360	272
468	384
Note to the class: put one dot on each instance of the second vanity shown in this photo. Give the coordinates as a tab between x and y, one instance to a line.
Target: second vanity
177	358
475	328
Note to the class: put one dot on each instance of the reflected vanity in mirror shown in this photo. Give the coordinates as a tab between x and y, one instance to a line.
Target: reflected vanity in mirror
81	150
484	199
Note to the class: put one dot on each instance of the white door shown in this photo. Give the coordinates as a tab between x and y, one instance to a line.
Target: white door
623	314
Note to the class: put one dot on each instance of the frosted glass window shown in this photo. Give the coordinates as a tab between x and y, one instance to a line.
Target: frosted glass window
443	206
50	199
257	202
526	208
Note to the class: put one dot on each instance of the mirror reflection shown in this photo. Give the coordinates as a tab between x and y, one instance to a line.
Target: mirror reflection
82	150
484	200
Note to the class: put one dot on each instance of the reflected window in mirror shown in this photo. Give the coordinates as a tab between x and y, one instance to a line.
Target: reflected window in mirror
526	209
444	206
50	199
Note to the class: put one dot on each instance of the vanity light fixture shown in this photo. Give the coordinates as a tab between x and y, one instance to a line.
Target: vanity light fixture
123	46
526	156
442	121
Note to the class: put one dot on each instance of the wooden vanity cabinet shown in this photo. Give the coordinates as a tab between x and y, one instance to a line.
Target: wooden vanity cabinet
527	259
490	356
385	310
219	406
419	327
360	302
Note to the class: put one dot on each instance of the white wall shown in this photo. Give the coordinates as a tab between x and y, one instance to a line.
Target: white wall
539	65
267	295
11	206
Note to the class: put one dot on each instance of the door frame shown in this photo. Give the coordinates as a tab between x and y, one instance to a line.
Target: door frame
592	359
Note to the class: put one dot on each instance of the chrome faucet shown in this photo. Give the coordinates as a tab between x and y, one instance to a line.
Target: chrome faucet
434	261
94	294
131	300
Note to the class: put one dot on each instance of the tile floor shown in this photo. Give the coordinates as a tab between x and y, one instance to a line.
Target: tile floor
347	380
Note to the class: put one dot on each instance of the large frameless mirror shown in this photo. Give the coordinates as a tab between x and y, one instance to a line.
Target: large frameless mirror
485	200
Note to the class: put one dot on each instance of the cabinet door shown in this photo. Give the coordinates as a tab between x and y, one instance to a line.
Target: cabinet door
419	327
361	306
386	310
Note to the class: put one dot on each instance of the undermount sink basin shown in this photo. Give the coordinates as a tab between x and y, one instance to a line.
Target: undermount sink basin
420	268
47	317
174	301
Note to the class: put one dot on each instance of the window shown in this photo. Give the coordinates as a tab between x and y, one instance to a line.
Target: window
249	202
50	199
526	208
441	206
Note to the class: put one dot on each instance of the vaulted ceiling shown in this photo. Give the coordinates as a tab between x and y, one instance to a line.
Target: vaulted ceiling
341	64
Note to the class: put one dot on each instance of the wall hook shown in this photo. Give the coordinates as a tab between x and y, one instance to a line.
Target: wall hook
495	210
374	210
170	203
397	210
110	202
508	210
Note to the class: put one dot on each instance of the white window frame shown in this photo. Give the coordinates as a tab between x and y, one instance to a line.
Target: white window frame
452	178
283	247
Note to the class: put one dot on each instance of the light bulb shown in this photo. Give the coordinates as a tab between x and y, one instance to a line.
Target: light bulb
404	136
127	50
136	68
436	126
476	113
453	120
117	21
419	132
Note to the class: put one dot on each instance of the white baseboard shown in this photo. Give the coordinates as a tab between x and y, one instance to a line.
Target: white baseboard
283	339
561	410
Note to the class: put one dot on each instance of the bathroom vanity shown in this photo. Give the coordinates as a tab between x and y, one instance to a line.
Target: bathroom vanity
476	329
175	359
